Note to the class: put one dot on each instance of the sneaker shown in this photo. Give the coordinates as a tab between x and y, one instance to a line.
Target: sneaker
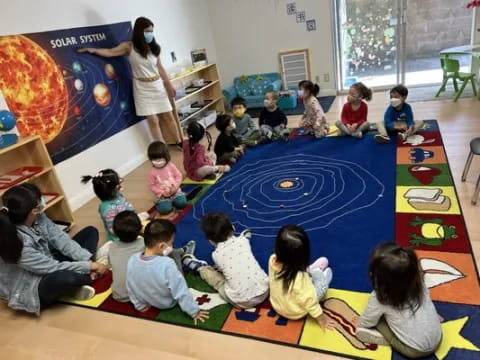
328	273
189	249
321	263
382	139
224	168
357	134
84	292
192	263
370	336
247	234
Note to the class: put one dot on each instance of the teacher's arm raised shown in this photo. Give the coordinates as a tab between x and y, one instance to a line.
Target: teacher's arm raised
122	49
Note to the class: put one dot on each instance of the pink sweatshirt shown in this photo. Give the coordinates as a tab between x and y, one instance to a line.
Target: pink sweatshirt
194	161
161	180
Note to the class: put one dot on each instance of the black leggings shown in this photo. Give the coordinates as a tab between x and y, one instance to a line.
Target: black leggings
61	282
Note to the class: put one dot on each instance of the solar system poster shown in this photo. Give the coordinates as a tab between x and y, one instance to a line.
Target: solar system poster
72	100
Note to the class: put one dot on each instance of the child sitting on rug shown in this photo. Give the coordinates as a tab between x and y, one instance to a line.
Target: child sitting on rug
399	307
354	113
245	129
164	179
227	147
313	119
198	160
239	280
273	121
398	118
295	287
107	187
127	227
154	279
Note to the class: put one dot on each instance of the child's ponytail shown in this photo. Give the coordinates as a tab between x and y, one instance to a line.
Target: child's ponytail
313	89
365	92
105	184
195	132
18	202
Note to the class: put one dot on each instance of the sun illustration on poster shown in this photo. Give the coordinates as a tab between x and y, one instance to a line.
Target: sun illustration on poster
33	87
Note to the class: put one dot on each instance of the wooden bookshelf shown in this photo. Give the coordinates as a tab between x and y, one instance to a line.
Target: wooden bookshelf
211	91
31	151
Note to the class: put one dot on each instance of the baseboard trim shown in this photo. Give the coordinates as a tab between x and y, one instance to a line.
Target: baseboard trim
85	196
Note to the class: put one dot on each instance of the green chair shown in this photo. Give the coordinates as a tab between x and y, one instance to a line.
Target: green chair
451	69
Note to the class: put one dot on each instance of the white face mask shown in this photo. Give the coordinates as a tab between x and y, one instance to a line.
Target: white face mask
267	103
395	102
233	126
159	163
43	205
167	251
301	93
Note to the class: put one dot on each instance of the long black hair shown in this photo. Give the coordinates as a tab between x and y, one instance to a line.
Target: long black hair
292	249
139	43
105	184
195	133
313	89
396	276
18	203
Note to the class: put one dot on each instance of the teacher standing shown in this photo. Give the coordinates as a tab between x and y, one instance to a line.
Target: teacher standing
152	89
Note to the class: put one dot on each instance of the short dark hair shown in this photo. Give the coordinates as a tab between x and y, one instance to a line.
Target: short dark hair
400	90
396	276
217	227
158	230
105	184
222	122
292	249
238	101
140	45
312	88
158	150
127	226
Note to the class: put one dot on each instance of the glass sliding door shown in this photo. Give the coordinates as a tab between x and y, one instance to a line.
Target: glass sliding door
428	29
367	42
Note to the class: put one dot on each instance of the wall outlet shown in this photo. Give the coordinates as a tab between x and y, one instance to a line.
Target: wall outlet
326	77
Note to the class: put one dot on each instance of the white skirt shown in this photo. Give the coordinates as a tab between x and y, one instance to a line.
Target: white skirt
150	98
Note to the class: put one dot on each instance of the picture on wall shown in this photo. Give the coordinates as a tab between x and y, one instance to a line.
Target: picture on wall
72	100
291	8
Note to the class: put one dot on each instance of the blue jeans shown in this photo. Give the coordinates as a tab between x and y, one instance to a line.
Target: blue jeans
165	206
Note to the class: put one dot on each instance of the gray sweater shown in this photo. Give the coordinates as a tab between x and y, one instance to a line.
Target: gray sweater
420	330
19	282
118	256
244	127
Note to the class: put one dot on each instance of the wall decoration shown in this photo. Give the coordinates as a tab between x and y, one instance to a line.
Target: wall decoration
291	8
311	25
301	16
73	101
199	57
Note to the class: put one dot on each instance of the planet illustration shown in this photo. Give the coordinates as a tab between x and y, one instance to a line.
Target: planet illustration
110	71
78	84
33	87
77	111
7	120
123	106
76	67
102	94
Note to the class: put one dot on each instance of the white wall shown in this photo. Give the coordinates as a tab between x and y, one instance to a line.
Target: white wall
180	26
249	34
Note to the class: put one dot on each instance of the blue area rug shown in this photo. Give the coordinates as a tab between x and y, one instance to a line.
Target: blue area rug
340	190
325	101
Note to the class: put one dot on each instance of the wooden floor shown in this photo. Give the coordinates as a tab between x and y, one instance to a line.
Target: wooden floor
67	332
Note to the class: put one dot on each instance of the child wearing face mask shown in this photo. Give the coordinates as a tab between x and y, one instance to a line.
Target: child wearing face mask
164	179
227	147
245	129
354	113
107	187
398	118
313	119
198	160
153	278
273	121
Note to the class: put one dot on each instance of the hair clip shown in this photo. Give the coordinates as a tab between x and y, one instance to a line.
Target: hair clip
4	208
